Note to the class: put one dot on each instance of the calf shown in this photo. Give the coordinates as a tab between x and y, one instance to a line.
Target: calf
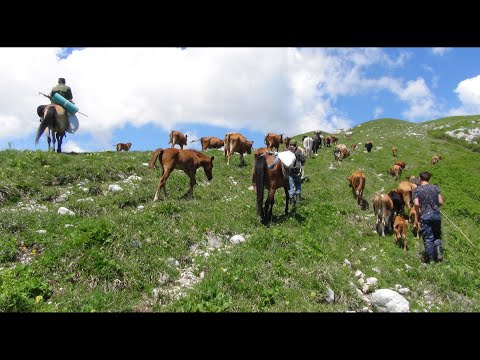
394	150
400	230
125	147
273	140
357	182
383	209
396	171
402	164
435	159
340	152
369	146
412	218
177	138
354	147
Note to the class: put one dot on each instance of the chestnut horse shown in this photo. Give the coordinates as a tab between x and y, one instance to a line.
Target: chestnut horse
187	160
53	118
269	173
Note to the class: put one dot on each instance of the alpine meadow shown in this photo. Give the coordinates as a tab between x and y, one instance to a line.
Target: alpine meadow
116	250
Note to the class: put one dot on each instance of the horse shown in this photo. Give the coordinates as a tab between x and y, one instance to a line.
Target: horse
53	118
269	173
187	160
122	146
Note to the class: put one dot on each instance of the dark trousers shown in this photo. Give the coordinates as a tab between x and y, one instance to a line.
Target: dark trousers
431	232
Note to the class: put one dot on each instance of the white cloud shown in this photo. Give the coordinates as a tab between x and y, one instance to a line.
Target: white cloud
284	90
71	146
377	112
468	92
440	50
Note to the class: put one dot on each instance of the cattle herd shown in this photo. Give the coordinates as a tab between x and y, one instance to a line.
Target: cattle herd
388	208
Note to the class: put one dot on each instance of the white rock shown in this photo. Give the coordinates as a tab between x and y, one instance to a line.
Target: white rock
363	249
398	286
346	262
361	281
236	239
61	198
408	267
358	273
250	188
69	225
372	281
330	296
386	300
65	211
404	291
114	187
140	207
145	164
377	270
41	231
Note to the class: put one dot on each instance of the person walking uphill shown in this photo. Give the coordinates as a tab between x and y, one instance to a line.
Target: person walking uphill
427	199
294	177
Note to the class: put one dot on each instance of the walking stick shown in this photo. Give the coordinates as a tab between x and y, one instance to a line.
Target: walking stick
458	229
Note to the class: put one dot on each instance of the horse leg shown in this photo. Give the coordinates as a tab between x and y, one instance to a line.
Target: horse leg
189	193
161	182
54	138
59	139
269	206
49	139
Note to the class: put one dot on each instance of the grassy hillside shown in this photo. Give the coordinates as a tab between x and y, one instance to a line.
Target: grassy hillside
175	255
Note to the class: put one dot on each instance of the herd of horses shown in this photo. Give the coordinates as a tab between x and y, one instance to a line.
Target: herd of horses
268	172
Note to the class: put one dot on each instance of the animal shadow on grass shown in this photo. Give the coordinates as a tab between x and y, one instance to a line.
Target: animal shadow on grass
365	205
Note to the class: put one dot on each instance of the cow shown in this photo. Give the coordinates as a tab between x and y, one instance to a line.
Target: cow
354	147
394	151
347	134
273	140
341	151
413	180
211	142
125	147
177	138
412	218
357	183
400	230
397	201
402	164
287	142
405	189
383	209
396	171
237	143
317	143
260	151
334	139
369	146
308	145
435	159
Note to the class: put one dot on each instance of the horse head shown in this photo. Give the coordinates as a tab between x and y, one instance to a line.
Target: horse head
208	167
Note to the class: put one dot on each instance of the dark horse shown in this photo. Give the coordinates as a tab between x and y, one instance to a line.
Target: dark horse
270	177
53	118
187	160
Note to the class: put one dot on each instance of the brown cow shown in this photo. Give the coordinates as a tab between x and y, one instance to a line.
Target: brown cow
357	183
402	164
383	209
340	152
413	220
400	230
435	159
394	150
405	189
237	143
273	140
177	137
121	146
260	151
287	142
396	171
354	147
211	142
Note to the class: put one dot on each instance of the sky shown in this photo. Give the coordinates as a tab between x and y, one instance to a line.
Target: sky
139	95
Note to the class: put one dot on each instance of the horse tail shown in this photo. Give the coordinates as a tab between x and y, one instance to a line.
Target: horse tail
157	154
259	175
226	145
48	121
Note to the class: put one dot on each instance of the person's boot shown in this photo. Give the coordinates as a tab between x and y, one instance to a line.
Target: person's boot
439	252
297	197
292	200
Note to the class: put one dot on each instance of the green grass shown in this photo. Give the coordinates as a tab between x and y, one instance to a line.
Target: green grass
116	258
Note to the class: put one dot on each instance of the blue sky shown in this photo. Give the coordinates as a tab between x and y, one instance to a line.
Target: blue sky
138	95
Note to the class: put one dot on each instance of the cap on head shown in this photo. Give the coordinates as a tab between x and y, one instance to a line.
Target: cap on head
61	80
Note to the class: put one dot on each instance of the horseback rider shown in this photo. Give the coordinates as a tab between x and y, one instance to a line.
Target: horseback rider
294	177
62	89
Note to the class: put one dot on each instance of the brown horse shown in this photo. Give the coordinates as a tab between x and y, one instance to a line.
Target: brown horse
53	118
187	160
269	173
